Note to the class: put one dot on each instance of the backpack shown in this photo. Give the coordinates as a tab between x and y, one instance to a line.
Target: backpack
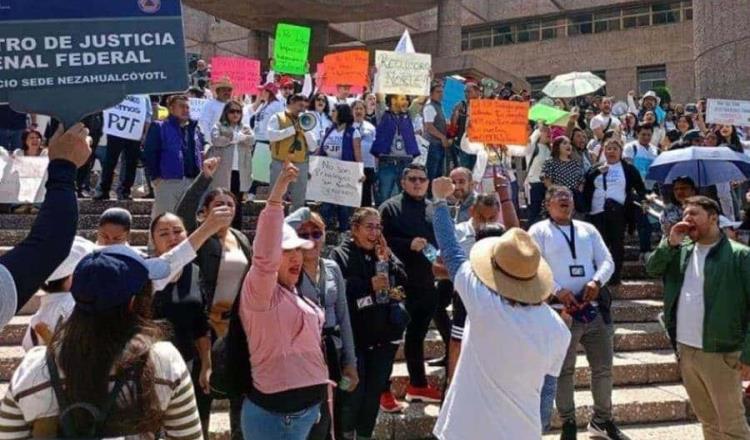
231	374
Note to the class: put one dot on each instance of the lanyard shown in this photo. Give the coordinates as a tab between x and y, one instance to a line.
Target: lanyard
570	240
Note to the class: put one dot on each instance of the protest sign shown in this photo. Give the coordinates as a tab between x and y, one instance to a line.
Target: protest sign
128	118
347	68
243	73
261	164
494	121
728	112
290	49
331	89
402	73
335	181
23	179
72	58
196	107
453	93
550	115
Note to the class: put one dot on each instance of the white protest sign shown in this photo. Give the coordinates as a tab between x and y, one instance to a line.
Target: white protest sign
128	118
729	112
196	107
23	179
402	73
335	181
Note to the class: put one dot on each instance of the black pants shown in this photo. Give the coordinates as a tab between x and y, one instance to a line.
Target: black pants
441	318
368	186
359	409
204	401
83	174
132	151
421	303
235	188
611	225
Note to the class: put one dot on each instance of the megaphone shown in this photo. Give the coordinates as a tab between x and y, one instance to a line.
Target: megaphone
307	121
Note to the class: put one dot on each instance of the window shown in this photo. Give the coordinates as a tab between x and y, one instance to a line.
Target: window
549	30
664	13
465	42
651	77
478	40
687	10
503	35
537	83
580	24
634	17
607	21
528	32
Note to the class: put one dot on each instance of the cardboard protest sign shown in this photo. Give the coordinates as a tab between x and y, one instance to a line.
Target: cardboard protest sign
290	49
729	112
128	118
196	107
72	58
453	93
493	121
243	73
402	73
23	179
347	68
261	164
550	115
335	181
332	89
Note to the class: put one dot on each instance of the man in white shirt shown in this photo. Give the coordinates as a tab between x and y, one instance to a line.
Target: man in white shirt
214	107
604	120
582	266
642	154
512	340
706	296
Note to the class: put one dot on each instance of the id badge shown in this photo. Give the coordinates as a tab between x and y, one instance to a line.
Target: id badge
577	271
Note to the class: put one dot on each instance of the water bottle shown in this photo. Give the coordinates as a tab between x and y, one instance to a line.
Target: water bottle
345	383
381	268
430	252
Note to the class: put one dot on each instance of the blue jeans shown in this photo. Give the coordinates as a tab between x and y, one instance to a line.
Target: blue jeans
10	139
261	424
549	389
389	178
536	196
333	214
436	159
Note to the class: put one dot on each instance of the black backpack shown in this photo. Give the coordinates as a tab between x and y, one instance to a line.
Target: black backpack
231	375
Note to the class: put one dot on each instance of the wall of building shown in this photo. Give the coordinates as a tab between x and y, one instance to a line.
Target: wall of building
208	36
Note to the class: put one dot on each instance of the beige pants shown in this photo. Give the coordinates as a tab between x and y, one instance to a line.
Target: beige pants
713	384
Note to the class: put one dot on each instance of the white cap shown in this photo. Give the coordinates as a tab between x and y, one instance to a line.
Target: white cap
726	223
290	240
81	247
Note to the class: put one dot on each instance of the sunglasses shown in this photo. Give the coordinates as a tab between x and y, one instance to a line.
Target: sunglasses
235	111
323	100
314	235
415	179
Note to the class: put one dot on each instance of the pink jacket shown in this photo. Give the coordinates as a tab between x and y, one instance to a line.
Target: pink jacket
283	330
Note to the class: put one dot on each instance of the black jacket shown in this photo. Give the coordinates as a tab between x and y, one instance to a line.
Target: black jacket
404	219
635	190
371	322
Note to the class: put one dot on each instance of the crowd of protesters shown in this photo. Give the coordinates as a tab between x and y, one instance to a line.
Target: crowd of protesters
301	339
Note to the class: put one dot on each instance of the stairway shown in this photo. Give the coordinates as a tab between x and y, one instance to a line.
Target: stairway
648	397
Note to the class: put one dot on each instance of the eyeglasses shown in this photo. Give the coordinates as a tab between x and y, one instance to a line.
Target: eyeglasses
562	196
314	235
321	100
235	111
415	179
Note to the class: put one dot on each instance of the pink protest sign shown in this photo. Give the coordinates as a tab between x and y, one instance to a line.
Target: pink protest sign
244	73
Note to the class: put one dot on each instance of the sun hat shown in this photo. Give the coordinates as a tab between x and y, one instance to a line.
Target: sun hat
724	223
512	266
223	83
650	94
81	247
290	240
301	216
110	277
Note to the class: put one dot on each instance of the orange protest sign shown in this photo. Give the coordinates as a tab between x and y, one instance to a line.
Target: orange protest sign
492	121
349	67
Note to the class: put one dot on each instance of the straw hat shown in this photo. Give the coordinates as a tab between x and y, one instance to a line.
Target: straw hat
223	83
512	266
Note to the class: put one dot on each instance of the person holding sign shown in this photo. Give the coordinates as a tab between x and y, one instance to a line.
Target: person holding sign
213	109
174	154
231	142
290	142
343	142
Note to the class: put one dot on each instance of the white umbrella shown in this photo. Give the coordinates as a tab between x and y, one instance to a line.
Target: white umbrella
573	84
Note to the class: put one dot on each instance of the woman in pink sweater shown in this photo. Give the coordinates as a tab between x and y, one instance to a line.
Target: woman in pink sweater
283	330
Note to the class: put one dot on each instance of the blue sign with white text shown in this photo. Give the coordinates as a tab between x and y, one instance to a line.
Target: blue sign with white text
71	58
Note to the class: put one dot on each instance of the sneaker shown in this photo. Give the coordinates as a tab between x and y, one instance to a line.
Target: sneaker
389	404
569	430
426	394
438	362
606	430
124	197
100	196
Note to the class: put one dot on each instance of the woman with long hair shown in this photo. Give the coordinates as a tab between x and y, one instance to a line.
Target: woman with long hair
658	138
367	131
321	108
223	261
111	357
31	144
341	141
562	169
579	141
684	124
629	126
283	328
232	142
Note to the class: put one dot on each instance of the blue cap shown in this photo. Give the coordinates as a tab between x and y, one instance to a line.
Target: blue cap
110	277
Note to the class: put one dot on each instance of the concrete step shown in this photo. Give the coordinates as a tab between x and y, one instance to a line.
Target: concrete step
634	270
638	289
659	431
143	206
91	221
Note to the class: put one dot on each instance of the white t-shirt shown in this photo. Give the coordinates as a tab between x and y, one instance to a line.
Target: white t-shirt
333	144
601	121
690	306
616	185
466	236
506	352
210	115
55	309
367	136
429	113
263	115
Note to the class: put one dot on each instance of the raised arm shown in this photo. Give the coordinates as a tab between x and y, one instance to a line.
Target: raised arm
445	230
507	209
187	208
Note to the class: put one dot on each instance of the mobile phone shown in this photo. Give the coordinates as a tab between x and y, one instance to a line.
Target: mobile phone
691	108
